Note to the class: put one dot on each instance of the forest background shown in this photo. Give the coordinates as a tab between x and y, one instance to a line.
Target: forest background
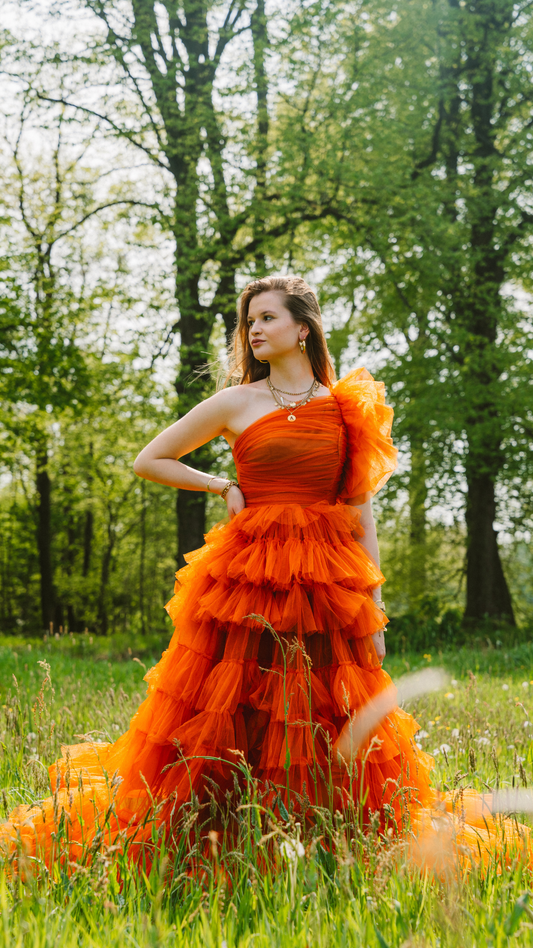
158	155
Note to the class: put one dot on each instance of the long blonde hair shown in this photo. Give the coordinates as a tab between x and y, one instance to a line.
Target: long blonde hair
299	299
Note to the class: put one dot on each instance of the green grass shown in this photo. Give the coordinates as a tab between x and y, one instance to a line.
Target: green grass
366	894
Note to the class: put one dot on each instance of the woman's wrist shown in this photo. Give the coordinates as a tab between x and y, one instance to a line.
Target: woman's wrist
216	484
220	485
225	490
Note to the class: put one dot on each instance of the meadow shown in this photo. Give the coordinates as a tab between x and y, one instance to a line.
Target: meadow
365	893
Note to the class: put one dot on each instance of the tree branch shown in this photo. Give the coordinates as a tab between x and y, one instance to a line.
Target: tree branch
105	118
435	145
96	210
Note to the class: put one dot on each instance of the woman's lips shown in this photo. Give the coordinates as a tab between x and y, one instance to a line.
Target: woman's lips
258	342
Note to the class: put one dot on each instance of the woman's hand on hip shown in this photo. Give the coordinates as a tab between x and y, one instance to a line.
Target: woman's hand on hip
235	501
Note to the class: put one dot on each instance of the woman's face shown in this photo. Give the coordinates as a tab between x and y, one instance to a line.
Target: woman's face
272	331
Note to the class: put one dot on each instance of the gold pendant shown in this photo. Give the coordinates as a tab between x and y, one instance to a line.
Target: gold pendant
291	418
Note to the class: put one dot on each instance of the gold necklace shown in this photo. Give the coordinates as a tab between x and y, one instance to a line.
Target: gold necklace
282	392
292	406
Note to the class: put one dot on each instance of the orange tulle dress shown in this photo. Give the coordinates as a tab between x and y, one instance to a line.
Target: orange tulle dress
271	654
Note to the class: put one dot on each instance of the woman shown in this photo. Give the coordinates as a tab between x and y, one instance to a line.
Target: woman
279	622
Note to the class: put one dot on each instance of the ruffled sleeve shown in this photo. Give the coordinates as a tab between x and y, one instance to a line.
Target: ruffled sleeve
371	455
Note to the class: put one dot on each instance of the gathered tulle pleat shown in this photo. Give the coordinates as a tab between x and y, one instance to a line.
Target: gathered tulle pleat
368	422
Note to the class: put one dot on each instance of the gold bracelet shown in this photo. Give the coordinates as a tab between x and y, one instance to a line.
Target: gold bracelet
209	481
227	487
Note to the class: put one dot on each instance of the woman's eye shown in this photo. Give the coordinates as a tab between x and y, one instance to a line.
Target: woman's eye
252	321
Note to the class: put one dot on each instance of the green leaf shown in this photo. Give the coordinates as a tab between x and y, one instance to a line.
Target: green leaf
381	941
512	922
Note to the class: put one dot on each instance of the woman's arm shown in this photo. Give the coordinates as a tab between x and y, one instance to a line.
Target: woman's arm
370	543
159	460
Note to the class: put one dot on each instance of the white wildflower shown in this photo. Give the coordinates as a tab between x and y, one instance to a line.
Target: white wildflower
483	740
292	849
454	683
525	684
445	748
505	687
527	723
449	695
455	732
421	734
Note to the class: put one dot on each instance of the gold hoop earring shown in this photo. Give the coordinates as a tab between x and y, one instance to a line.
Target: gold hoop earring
263	361
302	345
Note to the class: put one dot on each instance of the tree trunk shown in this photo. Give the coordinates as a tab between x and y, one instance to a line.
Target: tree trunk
72	622
44	534
8	594
190	508
478	315
87	542
487	593
417	524
88	526
142	558
68	553
195	331
259	28
102	616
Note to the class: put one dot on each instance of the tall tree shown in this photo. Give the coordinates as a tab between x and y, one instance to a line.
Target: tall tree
173	62
434	189
476	167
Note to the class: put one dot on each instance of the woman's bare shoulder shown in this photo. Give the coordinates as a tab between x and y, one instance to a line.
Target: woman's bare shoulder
236	395
233	394
228	404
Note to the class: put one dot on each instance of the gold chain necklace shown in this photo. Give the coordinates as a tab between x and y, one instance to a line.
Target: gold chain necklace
293	406
282	392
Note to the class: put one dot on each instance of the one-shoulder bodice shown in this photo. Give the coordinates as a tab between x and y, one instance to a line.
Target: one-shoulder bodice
339	447
293	463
